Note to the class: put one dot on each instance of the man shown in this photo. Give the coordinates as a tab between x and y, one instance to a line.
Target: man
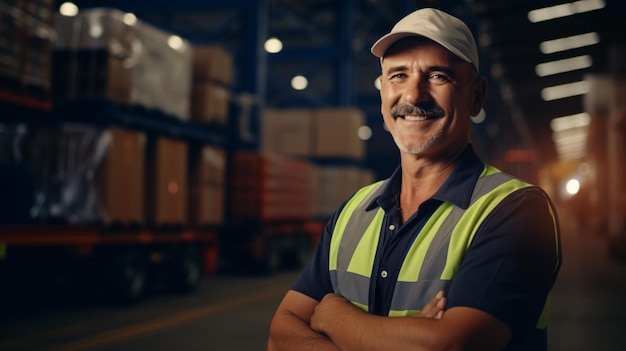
446	254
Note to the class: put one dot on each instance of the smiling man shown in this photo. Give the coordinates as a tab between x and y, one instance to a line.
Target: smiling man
448	253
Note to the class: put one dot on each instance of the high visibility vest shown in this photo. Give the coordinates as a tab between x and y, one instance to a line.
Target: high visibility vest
432	260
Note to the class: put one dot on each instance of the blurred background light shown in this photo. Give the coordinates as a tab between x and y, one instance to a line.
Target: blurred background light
568	43
273	45
563	10
299	82
68	9
565	65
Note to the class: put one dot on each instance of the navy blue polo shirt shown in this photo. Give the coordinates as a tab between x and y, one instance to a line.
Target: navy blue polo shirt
507	271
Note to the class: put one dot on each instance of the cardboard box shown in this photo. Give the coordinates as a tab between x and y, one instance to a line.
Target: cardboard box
209	167
268	187
206	205
212	64
287	131
336	133
167	194
209	103
121	179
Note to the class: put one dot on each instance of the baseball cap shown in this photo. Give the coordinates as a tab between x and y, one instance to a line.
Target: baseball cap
436	25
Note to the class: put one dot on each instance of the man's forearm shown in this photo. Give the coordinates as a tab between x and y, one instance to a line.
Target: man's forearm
288	332
352	329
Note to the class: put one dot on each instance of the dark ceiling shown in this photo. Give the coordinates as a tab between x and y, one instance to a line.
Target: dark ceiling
328	41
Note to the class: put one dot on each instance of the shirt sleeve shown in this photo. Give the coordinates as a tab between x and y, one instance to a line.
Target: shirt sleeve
512	263
314	281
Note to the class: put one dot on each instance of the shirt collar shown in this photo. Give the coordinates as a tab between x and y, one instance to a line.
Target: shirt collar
457	188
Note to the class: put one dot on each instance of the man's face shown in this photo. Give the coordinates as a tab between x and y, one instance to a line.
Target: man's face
427	96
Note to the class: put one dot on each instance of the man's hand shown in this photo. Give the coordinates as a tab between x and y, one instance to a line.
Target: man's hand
327	310
435	307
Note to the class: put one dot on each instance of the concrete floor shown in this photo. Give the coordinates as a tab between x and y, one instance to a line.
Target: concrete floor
588	311
588	305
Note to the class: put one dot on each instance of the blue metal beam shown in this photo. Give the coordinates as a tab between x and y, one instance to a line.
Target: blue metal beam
345	59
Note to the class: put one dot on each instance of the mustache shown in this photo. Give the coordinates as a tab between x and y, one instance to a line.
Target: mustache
429	109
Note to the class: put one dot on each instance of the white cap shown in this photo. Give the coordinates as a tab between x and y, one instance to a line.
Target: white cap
438	26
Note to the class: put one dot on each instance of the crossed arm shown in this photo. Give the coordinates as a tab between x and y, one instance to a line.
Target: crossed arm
301	323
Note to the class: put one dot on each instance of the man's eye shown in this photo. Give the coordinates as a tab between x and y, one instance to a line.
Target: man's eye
439	77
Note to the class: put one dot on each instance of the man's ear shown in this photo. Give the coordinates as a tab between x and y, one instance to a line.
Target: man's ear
479	92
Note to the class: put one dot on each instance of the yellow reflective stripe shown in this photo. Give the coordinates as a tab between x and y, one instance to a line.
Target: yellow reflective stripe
473	217
342	221
543	319
405	313
362	260
361	306
410	270
489	170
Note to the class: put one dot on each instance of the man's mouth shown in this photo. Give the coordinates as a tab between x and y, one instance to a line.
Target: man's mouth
416	118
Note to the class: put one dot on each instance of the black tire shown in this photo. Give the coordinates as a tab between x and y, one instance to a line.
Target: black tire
272	258
186	270
124	276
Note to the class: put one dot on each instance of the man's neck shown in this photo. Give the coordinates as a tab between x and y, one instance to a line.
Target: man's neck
422	176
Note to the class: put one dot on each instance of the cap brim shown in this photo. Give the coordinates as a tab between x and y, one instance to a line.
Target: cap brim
381	45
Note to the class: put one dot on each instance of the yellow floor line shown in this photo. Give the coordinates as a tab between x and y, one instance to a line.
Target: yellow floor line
129	332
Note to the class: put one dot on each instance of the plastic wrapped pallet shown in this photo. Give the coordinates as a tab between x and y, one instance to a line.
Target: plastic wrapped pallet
85	174
99	48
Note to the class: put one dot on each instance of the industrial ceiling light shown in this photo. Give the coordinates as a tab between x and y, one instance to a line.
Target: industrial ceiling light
565	90
273	45
568	43
563	10
68	9
565	65
299	82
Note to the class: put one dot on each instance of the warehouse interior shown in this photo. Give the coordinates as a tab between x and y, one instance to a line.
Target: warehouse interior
194	140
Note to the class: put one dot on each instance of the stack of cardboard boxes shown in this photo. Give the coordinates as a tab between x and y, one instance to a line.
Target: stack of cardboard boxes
212	80
26	37
329	139
269	187
167	183
121	178
206	205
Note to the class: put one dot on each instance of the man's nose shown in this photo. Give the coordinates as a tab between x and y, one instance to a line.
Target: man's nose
416	91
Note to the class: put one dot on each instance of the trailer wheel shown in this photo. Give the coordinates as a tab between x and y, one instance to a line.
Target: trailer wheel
186	270
272	258
303	251
125	274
